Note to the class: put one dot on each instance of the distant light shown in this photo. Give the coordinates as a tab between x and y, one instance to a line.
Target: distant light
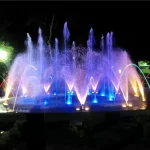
143	99
2	132
91	78
72	92
88	93
24	91
95	101
111	98
130	105
55	94
124	105
143	108
87	108
69	99
119	71
136	95
102	94
77	109
68	103
45	102
3	55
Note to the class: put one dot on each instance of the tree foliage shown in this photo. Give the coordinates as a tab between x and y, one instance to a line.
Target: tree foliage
9	49
143	63
3	69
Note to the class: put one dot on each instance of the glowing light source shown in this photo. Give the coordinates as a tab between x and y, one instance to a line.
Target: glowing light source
71	92
3	55
47	87
130	105
127	105
24	91
95	101
143	99
136	95
144	106
89	93
87	108
119	71
68	102
102	94
124	105
111	98
77	109
5	103
45	102
69	98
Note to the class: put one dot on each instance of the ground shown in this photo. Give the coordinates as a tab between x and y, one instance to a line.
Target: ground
111	131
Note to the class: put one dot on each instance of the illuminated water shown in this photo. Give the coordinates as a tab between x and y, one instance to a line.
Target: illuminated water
74	74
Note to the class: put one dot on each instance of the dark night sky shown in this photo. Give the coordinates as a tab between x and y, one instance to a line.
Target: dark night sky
129	22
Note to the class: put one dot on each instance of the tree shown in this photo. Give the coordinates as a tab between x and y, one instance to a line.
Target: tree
3	70
3	74
144	66
7	51
143	63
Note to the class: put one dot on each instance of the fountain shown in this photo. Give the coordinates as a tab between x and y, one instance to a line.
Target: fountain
75	77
